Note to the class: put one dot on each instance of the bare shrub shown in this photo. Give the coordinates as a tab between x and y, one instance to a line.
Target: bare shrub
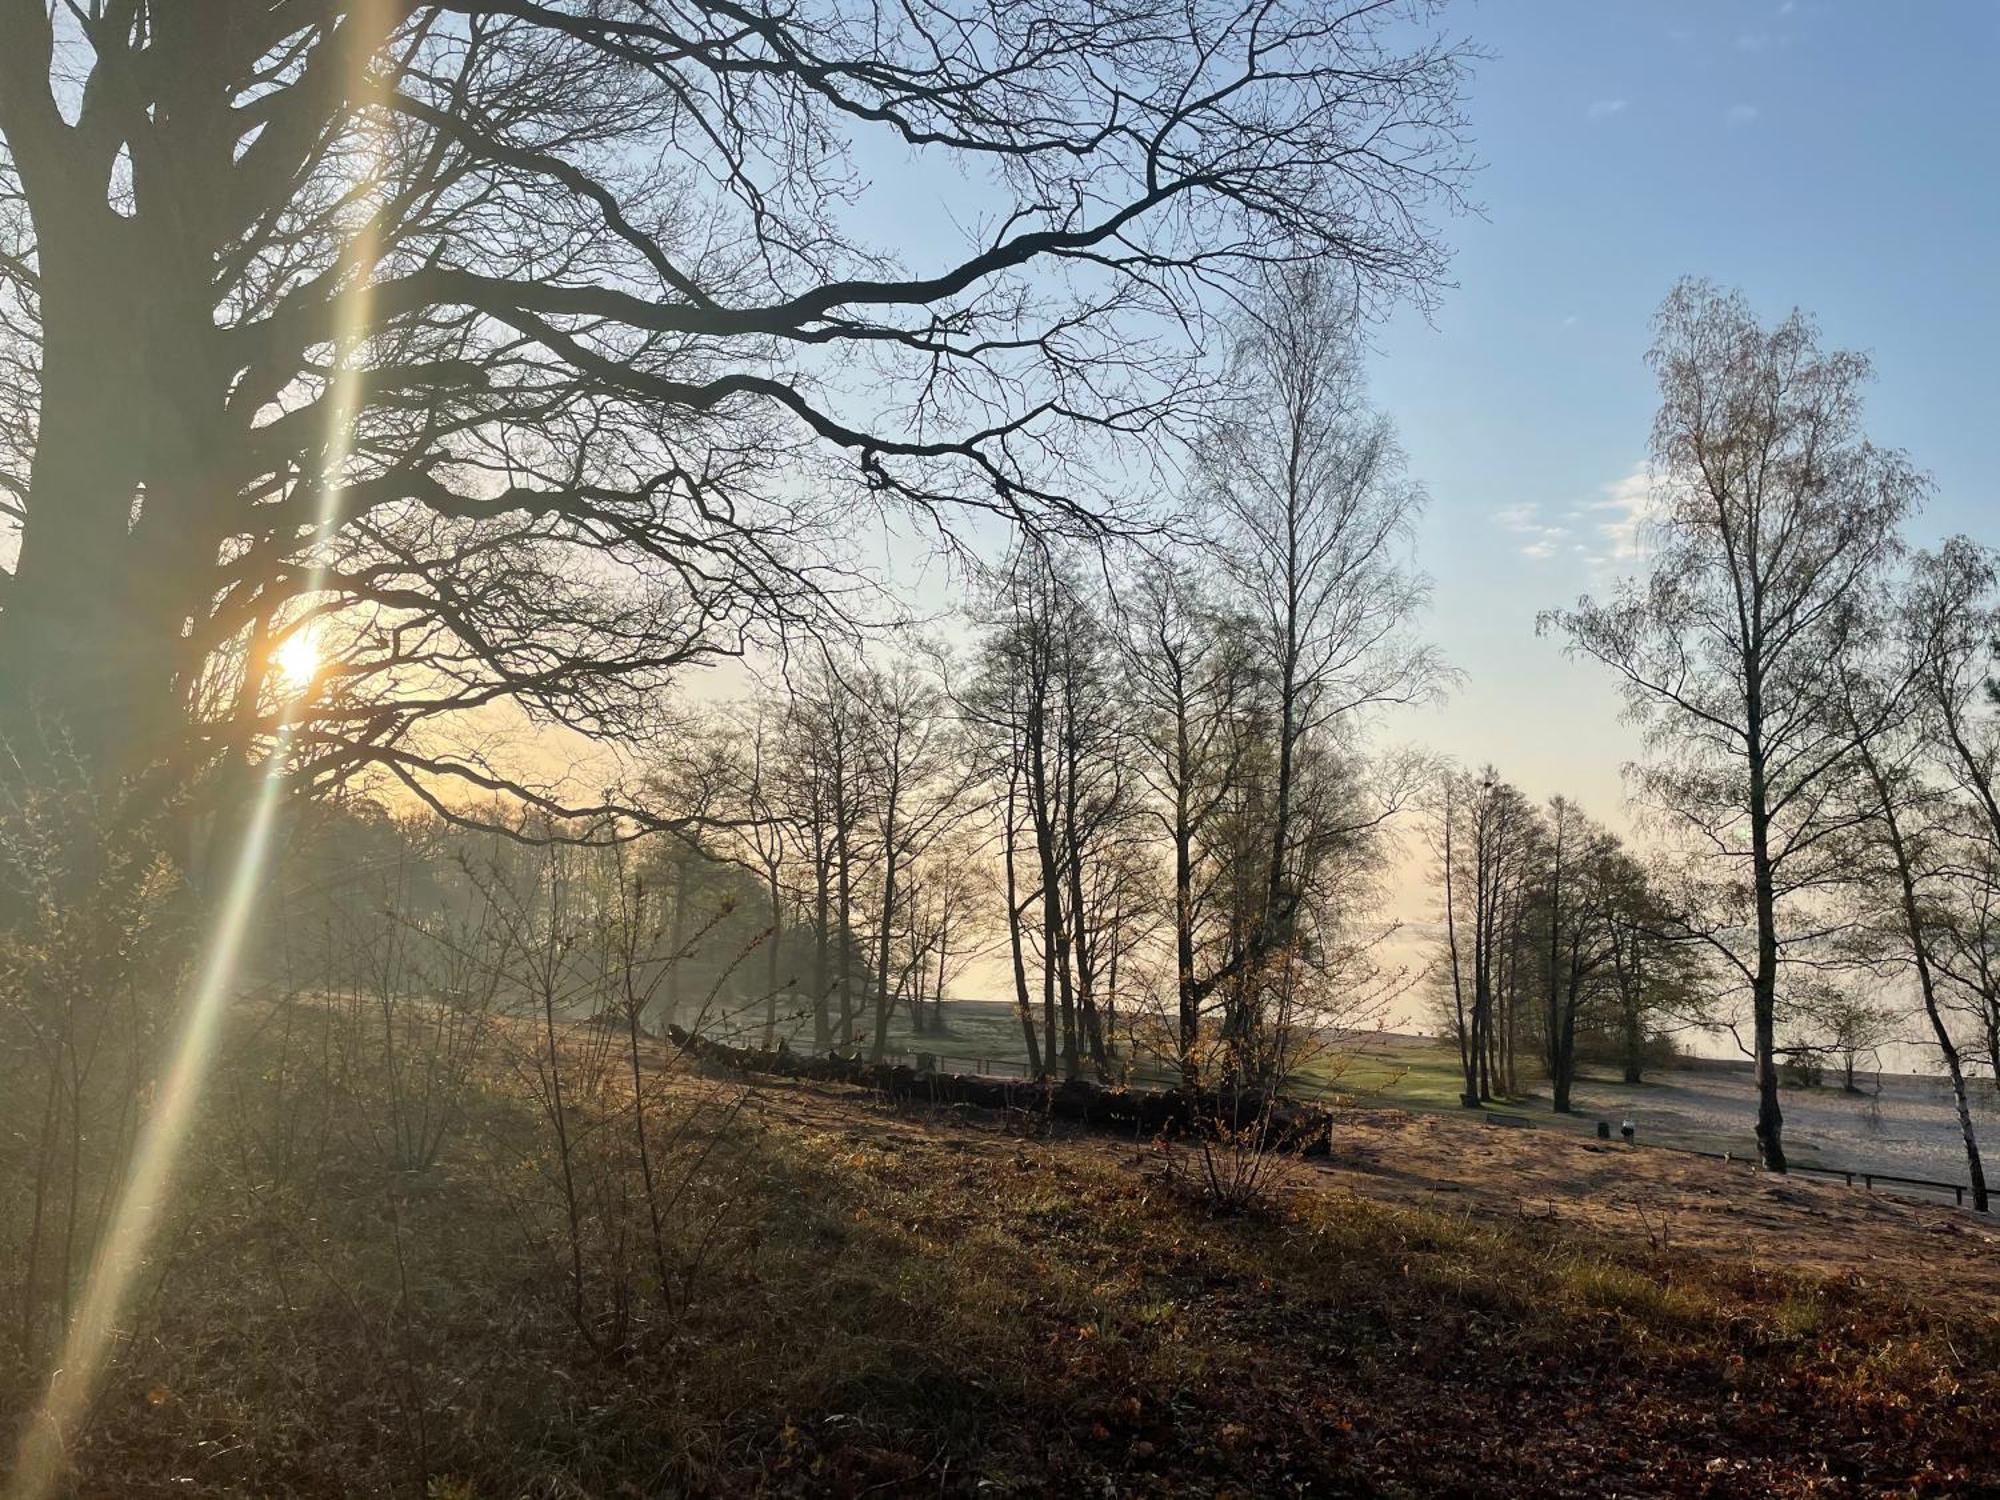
628	1165
91	940
1236	1161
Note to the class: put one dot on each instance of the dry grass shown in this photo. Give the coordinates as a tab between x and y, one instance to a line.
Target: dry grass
904	1304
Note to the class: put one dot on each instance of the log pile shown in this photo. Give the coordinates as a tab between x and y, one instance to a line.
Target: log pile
1287	1124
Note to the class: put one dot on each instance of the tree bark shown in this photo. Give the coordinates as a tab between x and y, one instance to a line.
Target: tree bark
1022	1004
1764	981
1926	982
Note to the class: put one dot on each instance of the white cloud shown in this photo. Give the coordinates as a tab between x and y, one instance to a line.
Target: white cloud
1741	114
1628	505
1605	534
1604	108
1543	538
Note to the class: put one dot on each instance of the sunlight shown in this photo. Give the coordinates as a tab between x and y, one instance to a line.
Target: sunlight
44	1446
42	1457
296	662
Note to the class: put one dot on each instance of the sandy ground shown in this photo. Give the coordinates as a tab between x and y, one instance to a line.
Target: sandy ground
1910	1127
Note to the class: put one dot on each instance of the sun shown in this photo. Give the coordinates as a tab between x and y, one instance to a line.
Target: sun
296	662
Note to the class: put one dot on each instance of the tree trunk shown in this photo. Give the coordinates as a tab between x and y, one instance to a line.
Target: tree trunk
822	979
1926	982
1552	1043
771	964
1470	1096
1564	1080
1021	1002
1189	1040
889	863
83	680
844	915
1764	982
676	956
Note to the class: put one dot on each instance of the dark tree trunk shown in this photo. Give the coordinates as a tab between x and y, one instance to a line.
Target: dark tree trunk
1764	985
771	964
822	978
1014	909
1926	981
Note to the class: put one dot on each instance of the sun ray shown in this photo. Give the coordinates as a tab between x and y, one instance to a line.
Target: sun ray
42	1457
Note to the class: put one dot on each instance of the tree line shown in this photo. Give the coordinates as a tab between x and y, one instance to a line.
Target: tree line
1138	778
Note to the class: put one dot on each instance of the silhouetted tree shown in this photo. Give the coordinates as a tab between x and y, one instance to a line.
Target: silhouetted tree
508	346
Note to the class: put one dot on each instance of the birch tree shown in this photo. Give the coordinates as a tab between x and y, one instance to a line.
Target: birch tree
1772	511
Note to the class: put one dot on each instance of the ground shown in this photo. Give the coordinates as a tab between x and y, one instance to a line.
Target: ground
1903	1124
965	1303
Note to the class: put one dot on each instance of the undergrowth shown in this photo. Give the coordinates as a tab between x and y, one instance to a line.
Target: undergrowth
907	1306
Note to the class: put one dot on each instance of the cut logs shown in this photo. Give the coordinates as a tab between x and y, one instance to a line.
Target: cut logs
1278	1123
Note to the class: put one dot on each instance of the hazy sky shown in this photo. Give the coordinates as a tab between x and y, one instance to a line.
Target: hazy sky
1840	157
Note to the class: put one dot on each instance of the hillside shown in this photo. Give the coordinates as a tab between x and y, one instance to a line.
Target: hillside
908	1303
1903	1124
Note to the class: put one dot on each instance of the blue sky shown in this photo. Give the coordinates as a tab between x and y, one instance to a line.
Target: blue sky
1837	157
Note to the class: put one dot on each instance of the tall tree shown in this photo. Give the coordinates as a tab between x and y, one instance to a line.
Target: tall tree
1951	607
513	343
917	781
1772	510
1190	677
827	732
1485	835
1319	511
1316	512
1881	709
1580	888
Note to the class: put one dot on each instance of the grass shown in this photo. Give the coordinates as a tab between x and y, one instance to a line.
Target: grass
1404	1070
1382	1068
916	1305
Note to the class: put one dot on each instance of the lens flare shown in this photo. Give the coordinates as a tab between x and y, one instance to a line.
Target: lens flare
42	1458
44	1446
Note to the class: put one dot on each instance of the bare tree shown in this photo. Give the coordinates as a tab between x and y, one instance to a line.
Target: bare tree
1580	888
1773	511
1190	676
1965	925
1951	609
1019	697
1658	973
826	735
1896	856
766	831
1848	1026
1319	514
916	781
949	902
1315	519
511	347
1484	836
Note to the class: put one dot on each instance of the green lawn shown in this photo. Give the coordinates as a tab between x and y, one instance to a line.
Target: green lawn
1380	1067
985	1036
